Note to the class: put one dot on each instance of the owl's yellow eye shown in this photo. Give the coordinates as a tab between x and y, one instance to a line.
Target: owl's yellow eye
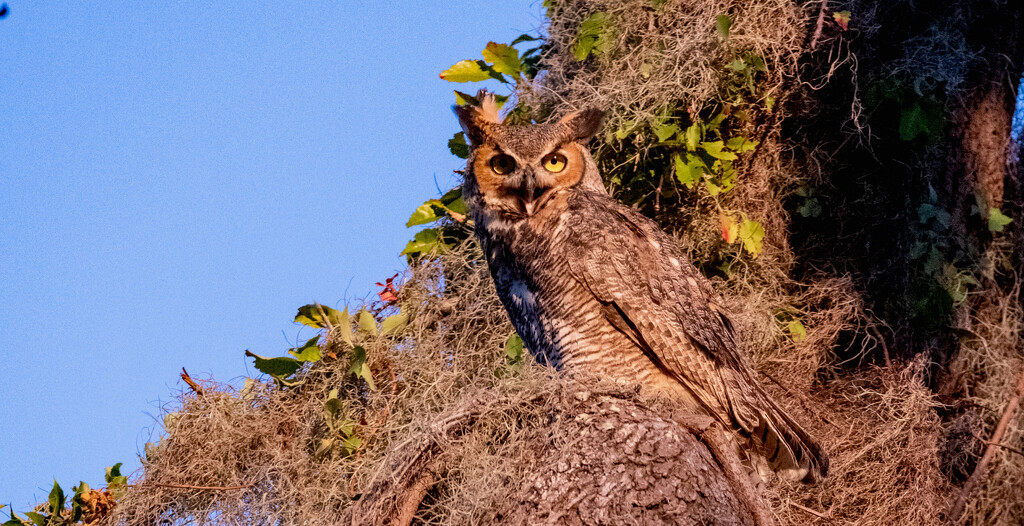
554	163
503	164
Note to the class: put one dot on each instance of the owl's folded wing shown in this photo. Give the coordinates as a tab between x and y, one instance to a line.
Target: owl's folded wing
657	299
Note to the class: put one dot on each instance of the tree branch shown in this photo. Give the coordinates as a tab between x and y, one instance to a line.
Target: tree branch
957	510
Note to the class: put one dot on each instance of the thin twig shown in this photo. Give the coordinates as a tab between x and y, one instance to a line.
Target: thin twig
185	486
817	514
957	510
1004	446
191	383
821	24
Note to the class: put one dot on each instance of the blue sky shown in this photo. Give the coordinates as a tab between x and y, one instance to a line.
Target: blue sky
176	179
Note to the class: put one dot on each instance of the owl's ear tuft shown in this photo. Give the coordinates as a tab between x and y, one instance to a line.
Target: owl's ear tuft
470	124
584	124
476	113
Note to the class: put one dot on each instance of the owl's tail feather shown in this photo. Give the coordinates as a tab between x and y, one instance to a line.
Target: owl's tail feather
789	450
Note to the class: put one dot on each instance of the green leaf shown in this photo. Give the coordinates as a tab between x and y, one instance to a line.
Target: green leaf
359	367
741	144
625	130
462	99
279	367
797	330
716	149
36	518
14	520
514	348
996	220
752	235
424	242
458	146
345	327
112	472
351	444
470	71
592	33
366	322
505	59
324	448
737	65
927	211
458	205
524	38
810	208
665	131
56	500
692	136
394	324
312	315
332	406
426	213
688	171
922	117
309	352
722	24
756	62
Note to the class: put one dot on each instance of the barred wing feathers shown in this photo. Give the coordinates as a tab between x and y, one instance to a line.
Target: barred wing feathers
654	296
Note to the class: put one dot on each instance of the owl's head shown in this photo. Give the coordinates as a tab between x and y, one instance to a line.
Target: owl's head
515	170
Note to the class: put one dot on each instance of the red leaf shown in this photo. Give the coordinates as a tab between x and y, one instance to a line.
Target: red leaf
388	295
843	19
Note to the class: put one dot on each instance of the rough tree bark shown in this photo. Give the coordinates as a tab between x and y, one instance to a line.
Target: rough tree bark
611	460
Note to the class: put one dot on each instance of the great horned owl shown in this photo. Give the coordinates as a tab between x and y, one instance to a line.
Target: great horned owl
593	286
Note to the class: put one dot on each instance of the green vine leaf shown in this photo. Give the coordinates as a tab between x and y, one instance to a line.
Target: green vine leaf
751	233
692	137
514	349
741	144
690	170
280	367
309	352
56	500
996	220
394	324
504	59
796	331
593	37
366	322
665	131
471	71
717	150
359	367
458	146
424	242
723	23
310	316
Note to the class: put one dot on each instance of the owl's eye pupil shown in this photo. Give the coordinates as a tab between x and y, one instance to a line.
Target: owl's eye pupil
555	163
502	164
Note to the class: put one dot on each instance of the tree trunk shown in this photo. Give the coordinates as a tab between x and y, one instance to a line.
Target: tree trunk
606	459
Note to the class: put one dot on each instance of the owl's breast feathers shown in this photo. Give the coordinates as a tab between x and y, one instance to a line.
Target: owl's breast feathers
650	293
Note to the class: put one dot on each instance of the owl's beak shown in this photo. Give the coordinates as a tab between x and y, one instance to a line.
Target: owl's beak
529	194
